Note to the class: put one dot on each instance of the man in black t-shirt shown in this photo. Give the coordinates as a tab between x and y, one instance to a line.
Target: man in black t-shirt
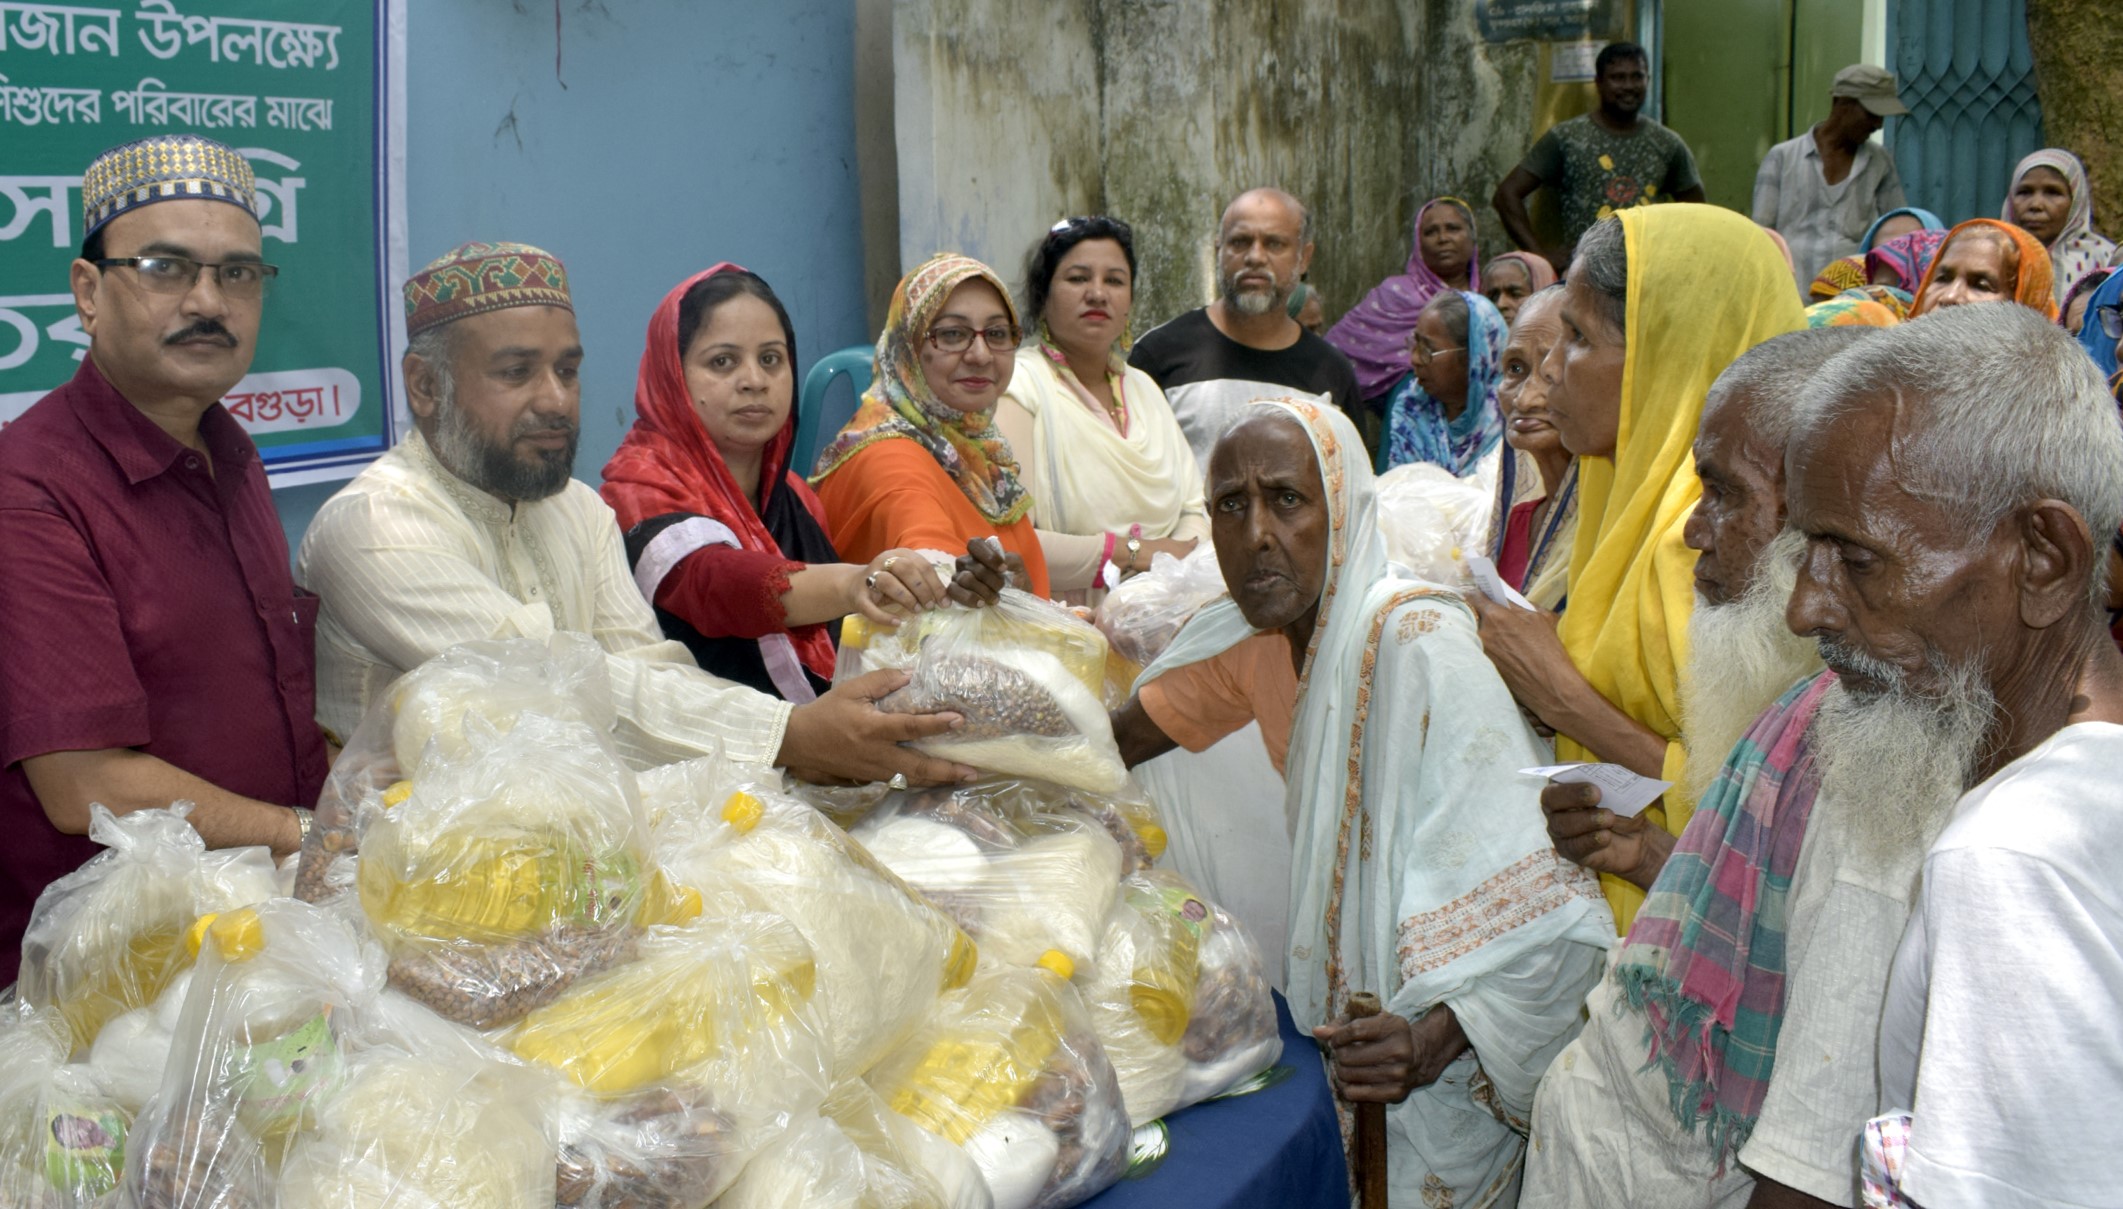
1244	346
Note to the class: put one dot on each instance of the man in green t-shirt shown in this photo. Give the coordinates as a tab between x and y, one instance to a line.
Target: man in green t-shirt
1607	160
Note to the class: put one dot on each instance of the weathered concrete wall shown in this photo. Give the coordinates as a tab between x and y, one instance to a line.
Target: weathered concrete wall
996	106
1159	111
2078	50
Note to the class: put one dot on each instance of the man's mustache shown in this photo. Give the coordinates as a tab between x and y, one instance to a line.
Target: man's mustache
209	329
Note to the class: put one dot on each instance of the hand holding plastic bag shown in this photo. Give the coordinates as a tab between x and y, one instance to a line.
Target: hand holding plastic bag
1141	616
1028	678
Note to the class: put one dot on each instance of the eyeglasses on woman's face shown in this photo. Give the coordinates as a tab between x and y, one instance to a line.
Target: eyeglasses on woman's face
952	338
1422	352
2111	319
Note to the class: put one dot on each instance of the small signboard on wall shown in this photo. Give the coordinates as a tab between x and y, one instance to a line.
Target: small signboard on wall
1548	20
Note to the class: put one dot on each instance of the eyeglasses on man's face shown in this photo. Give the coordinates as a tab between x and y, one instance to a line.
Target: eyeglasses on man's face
2111	318
1001	338
245	279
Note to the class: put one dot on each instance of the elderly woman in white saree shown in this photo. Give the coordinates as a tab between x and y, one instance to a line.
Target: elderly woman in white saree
1422	869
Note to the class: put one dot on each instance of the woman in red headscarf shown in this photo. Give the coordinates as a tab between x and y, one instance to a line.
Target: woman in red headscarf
729	546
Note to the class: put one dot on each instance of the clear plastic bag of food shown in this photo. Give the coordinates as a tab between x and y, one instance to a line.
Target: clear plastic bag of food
1028	677
1014	862
684	1062
856	1154
62	1134
108	937
1431	520
1011	1075
445	711
427	1130
496	880
883	951
1177	997
276	1005
1141	615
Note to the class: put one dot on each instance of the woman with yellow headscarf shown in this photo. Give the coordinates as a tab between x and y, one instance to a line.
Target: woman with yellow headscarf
1646	332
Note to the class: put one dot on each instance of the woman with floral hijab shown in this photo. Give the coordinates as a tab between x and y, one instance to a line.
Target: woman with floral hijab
1398	746
921	463
1444	411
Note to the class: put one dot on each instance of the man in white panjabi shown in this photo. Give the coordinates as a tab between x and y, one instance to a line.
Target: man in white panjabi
1955	577
472	528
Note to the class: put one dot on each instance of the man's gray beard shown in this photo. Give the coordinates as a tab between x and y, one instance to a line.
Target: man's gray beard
1255	304
1894	763
496	469
1741	658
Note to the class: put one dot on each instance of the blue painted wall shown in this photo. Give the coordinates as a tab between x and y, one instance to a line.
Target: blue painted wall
689	132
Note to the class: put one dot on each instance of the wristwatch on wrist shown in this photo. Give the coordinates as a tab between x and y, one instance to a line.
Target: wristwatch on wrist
1135	547
305	818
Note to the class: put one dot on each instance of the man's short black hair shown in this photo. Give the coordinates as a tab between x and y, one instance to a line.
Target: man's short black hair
1615	52
92	247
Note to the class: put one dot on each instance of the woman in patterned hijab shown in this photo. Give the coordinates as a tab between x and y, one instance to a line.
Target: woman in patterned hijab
1445	410
921	463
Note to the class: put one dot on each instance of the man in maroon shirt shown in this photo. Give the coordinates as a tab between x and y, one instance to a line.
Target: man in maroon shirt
156	650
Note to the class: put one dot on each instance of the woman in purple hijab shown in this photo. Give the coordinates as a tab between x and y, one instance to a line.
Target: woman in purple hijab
1374	333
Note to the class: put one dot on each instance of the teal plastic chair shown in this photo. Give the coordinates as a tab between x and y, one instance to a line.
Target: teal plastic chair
820	414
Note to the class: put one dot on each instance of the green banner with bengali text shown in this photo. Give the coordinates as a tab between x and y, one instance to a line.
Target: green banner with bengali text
311	92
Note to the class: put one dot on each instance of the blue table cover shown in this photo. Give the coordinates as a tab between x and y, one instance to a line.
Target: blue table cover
1279	1146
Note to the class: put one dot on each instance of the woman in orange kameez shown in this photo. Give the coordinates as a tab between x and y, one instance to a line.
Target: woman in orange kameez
922	464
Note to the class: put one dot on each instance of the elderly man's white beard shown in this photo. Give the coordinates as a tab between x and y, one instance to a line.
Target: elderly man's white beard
1741	658
1894	763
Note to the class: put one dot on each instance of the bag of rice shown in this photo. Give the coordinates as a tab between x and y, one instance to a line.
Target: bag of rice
1027	676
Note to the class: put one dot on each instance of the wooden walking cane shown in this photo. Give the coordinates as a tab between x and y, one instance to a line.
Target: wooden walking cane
1370	1157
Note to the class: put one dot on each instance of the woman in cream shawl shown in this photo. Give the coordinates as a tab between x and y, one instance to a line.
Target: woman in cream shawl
1112	479
1422	870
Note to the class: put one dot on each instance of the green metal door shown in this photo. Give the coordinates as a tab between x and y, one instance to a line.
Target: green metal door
1968	78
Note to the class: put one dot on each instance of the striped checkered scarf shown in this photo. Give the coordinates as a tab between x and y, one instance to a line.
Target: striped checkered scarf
1704	960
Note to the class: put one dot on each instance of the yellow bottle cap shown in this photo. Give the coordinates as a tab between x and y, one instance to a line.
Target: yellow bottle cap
195	935
1058	962
685	906
743	812
1154	839
238	935
398	792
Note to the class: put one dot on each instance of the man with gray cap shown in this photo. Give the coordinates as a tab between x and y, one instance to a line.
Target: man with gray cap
1823	189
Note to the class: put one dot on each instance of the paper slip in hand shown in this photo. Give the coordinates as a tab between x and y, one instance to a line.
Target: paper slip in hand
1621	791
1492	584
